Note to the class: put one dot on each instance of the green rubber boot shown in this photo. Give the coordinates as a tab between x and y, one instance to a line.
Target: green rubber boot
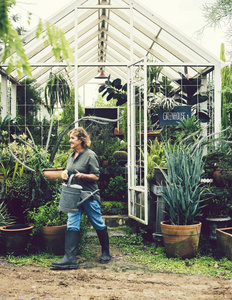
69	261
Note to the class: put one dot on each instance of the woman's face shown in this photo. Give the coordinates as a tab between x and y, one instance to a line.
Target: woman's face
74	142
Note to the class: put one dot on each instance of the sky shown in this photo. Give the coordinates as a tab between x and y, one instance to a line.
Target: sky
185	15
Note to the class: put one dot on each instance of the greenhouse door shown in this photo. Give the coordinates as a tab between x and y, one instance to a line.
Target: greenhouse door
137	142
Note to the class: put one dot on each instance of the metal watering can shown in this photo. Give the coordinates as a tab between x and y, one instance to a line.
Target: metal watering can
71	197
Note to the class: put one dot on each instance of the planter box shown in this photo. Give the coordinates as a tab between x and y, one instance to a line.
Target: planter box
224	241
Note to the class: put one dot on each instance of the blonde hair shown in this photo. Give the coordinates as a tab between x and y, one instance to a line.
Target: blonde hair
82	135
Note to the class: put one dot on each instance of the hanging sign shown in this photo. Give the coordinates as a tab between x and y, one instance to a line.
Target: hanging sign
170	118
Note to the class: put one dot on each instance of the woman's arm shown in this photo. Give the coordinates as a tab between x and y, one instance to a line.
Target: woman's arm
83	176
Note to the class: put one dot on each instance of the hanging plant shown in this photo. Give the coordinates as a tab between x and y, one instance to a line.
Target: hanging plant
57	91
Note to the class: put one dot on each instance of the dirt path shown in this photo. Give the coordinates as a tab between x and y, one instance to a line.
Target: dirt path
118	280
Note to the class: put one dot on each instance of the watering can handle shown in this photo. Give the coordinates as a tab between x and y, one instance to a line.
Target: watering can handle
86	198
70	180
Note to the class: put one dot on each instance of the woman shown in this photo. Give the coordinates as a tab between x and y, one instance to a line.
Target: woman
83	163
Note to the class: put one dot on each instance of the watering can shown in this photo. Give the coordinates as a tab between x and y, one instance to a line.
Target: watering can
72	196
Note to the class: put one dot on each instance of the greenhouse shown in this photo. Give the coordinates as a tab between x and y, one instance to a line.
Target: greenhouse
121	39
160	128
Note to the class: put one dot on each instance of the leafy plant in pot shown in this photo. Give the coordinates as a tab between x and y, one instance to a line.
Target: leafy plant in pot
13	237
156	161
182	197
50	225
218	206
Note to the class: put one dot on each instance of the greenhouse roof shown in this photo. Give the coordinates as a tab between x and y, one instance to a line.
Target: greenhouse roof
109	35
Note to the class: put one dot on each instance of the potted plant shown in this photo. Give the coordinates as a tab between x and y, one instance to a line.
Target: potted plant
51	224
156	161
218	205
14	237
121	157
117	189
218	166
182	197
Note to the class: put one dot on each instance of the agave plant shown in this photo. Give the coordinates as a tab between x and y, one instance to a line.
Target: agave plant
182	195
5	218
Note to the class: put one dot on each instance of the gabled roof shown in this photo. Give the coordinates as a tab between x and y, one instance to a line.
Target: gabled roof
110	35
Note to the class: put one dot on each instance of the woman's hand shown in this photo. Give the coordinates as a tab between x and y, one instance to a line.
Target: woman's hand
78	175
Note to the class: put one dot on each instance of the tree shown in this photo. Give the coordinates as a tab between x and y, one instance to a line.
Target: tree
218	13
13	49
226	76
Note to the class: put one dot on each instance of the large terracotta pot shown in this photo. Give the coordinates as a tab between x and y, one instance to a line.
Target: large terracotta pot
16	237
181	240
224	241
54	238
53	173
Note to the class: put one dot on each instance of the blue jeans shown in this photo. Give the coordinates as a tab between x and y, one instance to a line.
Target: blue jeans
93	211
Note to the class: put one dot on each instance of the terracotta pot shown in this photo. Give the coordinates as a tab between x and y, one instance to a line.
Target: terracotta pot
224	241
181	240
53	173
16	237
116	131
54	238
105	163
218	176
151	135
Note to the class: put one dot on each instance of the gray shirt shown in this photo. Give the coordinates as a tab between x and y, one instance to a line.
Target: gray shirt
86	162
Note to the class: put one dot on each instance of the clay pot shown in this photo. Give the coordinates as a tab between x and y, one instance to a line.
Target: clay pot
218	176
16	237
53	173
116	130
54	238
181	240
151	135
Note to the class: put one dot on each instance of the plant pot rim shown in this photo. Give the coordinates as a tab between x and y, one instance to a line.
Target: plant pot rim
53	169
52	226
7	228
218	219
168	223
